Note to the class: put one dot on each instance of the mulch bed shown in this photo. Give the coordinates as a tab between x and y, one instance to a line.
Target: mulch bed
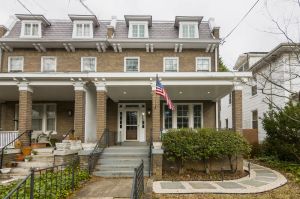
194	175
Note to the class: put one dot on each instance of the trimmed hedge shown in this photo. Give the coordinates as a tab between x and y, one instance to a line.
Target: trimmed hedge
182	145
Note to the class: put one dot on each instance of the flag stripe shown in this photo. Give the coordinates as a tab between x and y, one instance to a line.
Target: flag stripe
162	92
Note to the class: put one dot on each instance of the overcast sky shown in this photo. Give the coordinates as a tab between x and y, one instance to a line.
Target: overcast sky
256	33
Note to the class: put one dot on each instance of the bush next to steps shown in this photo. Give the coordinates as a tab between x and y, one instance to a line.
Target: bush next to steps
283	133
183	145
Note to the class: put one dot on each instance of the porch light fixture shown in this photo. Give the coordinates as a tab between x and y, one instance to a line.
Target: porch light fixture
124	92
180	92
208	92
149	112
70	113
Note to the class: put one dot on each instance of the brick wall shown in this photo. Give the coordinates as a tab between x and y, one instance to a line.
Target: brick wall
8	116
237	108
25	114
108	61
79	114
101	112
251	136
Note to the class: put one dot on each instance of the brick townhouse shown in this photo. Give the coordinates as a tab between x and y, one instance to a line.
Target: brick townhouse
91	74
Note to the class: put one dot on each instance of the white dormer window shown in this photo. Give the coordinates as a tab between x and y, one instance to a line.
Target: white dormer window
138	29
31	29
188	30
82	29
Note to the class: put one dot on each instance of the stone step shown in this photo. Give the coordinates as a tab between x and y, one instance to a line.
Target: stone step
118	167
43	158
127	149
125	154
40	151
134	143
124	161
128	173
19	171
32	164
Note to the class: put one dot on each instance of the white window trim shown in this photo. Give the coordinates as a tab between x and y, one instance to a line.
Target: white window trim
191	115
125	68
188	23
209	63
9	60
31	22
145	23
75	23
177	59
44	119
82	64
42	63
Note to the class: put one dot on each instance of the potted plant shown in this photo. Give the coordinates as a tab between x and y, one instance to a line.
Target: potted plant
33	152
28	158
26	150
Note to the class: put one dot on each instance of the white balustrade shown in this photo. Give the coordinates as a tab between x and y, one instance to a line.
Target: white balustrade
6	137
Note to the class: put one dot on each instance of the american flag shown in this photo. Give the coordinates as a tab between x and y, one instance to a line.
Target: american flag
162	92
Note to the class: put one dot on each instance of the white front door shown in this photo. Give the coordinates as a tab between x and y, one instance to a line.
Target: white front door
131	122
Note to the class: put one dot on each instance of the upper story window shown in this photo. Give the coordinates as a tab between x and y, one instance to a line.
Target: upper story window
254	119
82	29
131	64
138	29
15	64
48	64
188	30
203	64
230	98
88	64
171	64
31	29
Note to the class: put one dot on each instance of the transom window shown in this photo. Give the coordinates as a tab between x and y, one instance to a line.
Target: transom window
203	64
131	64
171	64
138	29
15	64
187	115
82	29
31	29
188	30
48	64
88	64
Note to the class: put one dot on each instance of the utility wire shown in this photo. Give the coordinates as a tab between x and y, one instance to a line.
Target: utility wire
87	7
24	7
242	19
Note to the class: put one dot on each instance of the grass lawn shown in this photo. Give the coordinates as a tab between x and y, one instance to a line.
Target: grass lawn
291	190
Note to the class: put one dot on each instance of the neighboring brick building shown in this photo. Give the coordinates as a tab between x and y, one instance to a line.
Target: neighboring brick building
92	74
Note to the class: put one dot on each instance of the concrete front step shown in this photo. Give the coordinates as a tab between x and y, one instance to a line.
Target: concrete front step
118	167
134	143
123	155
32	164
127	173
19	171
127	150
48	150
125	160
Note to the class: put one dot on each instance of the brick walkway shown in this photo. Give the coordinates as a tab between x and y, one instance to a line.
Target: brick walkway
261	179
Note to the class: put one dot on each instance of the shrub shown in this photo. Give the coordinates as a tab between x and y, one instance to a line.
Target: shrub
182	145
283	132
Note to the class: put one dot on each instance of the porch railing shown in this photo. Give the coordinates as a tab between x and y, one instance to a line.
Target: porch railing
70	131
6	137
137	189
12	142
51	182
99	148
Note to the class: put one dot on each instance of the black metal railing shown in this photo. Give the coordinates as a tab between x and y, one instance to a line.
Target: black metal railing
137	189
51	182
150	152
70	131
102	143
2	150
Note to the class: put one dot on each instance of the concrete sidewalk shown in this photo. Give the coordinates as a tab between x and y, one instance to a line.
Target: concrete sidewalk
261	179
105	188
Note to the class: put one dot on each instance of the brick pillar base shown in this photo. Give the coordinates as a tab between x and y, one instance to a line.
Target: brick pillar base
157	166
237	110
101	112
155	116
25	112
79	114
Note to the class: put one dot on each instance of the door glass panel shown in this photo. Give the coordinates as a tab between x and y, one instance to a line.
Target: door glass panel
131	125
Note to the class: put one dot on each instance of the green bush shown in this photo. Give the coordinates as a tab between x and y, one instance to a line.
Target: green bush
182	145
283	133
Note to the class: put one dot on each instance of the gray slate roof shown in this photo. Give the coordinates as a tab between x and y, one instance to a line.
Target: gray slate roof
62	29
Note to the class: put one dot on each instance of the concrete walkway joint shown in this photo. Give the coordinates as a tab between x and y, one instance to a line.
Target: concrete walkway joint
261	179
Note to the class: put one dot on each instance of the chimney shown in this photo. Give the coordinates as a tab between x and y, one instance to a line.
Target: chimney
111	27
215	30
3	30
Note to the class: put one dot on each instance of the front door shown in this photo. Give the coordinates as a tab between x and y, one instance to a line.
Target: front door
131	122
131	125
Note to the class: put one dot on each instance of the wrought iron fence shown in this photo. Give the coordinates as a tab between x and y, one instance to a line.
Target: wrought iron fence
99	148
51	182
12	142
137	189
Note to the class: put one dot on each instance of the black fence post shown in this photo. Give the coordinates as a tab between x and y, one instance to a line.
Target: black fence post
32	183
73	175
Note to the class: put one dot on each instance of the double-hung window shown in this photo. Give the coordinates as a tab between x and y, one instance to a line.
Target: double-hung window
168	114
188	30
48	64
31	29
197	109
138	29
88	64
203	64
171	64
182	116
254	119
15	64
82	29
44	117
131	64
